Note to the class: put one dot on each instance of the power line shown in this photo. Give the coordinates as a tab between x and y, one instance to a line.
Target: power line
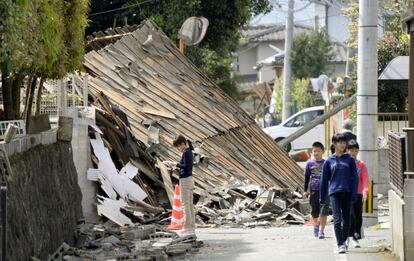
120	8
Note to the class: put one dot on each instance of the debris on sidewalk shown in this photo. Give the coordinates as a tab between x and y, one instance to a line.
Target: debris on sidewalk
269	208
111	242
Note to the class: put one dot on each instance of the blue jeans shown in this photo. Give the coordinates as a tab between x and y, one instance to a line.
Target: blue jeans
341	208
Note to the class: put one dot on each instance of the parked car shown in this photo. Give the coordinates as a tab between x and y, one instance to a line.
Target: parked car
296	122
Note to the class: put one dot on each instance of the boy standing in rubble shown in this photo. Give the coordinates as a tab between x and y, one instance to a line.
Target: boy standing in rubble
313	172
340	181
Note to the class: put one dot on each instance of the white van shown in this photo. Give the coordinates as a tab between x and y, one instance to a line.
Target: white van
296	122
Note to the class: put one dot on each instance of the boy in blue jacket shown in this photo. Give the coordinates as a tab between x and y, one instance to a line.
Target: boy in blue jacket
340	181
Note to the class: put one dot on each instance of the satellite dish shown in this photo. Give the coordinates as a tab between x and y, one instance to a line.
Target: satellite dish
193	30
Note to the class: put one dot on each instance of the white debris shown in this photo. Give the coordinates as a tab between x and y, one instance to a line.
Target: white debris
112	209
129	170
125	188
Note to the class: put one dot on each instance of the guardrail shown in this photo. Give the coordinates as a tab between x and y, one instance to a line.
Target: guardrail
21	128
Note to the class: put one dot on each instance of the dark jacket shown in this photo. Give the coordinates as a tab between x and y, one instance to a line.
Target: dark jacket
186	164
339	175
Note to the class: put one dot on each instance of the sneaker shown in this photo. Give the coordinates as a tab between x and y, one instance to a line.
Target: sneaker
321	234
346	243
342	249
316	231
355	243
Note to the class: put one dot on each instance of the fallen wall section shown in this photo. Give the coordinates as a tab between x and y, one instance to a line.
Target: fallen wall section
44	199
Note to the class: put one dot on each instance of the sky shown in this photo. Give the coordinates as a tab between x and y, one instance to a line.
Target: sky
278	15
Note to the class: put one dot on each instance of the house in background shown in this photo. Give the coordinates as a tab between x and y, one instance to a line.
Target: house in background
259	60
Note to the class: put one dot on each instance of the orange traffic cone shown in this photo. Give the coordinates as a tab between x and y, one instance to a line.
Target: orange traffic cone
177	218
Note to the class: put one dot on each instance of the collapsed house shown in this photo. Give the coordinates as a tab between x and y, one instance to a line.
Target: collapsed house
146	94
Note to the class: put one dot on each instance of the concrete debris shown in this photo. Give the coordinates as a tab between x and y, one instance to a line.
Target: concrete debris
270	207
106	242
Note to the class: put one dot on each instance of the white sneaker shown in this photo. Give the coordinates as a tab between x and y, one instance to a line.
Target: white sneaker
342	249
355	243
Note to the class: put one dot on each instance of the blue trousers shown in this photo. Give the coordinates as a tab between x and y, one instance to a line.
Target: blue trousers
341	208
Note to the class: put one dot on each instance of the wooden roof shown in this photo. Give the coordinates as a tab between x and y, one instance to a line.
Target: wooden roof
149	79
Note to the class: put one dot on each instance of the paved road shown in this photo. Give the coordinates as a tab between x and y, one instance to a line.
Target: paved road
286	243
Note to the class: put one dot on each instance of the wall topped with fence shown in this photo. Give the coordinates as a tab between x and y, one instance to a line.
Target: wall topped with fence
59	95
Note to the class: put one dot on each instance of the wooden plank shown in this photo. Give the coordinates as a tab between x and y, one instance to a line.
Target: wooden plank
167	181
161	113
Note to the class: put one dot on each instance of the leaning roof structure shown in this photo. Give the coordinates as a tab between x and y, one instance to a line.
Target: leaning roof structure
144	73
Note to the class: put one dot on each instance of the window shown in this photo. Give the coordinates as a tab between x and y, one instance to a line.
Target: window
303	118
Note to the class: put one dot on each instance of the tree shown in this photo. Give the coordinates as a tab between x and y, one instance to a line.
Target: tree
302	95
391	97
311	53
214	54
39	39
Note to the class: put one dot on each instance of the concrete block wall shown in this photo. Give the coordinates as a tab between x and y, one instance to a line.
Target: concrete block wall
409	219
82	160
22	144
383	181
43	196
397	205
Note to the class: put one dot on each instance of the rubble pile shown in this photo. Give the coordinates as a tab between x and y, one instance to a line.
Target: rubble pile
269	207
137	188
111	242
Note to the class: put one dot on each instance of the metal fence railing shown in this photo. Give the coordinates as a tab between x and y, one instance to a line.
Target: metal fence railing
397	156
391	121
21	128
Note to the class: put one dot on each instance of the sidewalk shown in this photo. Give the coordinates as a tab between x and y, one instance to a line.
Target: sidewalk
287	243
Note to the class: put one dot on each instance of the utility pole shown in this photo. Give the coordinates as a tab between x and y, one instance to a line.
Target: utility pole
367	98
287	70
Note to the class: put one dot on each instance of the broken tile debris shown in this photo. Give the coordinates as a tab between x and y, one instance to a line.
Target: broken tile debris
111	242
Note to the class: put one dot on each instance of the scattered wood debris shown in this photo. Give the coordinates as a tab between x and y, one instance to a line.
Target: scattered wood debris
146	93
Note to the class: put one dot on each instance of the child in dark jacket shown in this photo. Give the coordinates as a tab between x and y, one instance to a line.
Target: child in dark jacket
340	181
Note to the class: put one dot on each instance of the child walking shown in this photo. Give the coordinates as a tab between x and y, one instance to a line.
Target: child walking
340	181
363	183
313	172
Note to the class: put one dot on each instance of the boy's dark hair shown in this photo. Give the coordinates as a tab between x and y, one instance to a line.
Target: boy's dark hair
353	144
338	137
317	144
182	140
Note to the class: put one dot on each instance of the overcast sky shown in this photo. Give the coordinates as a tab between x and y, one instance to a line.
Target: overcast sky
278	15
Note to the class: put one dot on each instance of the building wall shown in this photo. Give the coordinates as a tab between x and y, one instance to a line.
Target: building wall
337	69
247	60
264	51
409	219
337	24
397	224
